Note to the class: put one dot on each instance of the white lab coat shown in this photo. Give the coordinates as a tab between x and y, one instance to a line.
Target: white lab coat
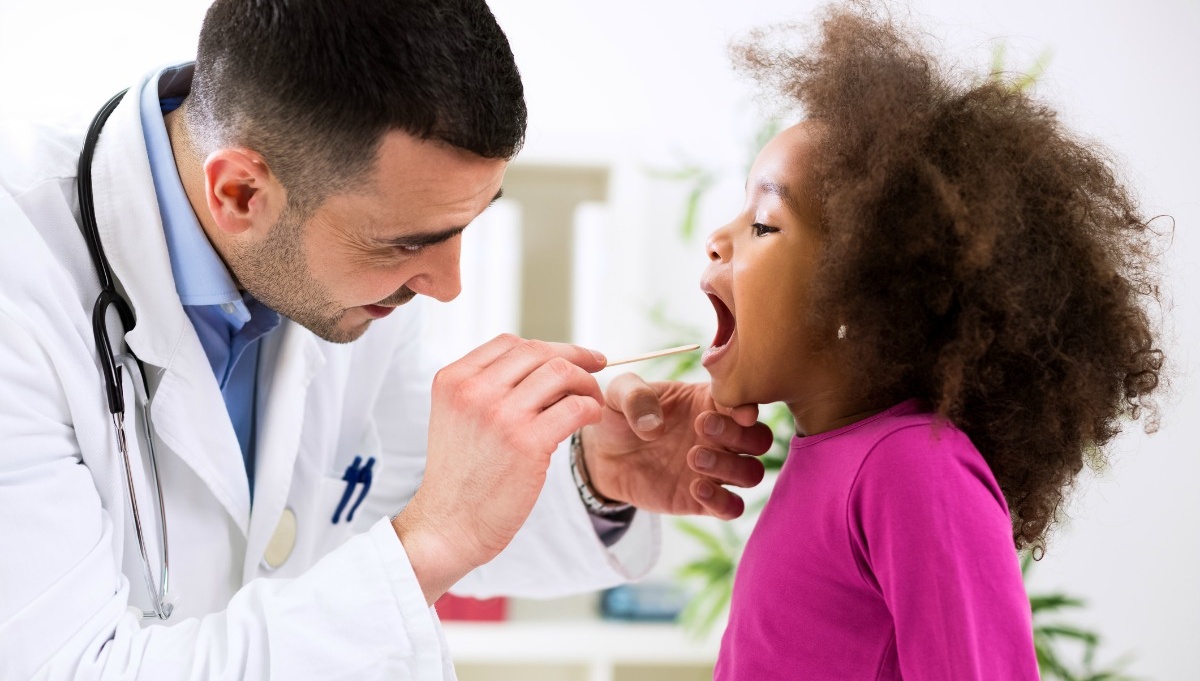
345	603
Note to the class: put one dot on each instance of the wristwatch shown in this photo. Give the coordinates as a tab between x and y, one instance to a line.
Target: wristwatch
596	503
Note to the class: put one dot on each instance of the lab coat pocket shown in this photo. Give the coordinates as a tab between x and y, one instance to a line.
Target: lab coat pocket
343	493
315	534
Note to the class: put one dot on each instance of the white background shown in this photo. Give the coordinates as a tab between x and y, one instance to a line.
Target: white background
637	84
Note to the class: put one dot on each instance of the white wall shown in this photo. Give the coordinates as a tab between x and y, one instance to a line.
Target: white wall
638	84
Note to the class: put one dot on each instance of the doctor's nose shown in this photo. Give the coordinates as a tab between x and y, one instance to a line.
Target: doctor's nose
440	277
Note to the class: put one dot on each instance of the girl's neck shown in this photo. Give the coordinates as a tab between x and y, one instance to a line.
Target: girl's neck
830	411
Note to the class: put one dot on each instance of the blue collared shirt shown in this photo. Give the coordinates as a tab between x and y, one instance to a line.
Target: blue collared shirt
231	324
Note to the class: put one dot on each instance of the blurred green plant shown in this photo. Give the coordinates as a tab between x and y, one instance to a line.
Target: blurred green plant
711	574
1020	80
698	180
1052	639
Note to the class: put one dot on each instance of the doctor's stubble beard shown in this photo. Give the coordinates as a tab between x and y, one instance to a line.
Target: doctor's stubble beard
276	273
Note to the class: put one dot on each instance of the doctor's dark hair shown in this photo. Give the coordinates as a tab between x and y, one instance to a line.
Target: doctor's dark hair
980	255
313	85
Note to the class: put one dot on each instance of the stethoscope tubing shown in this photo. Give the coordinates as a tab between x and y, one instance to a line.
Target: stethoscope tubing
114	390
108	288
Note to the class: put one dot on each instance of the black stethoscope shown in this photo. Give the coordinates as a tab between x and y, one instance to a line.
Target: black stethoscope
111	367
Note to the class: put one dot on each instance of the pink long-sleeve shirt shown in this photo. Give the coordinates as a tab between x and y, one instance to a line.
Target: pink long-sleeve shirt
885	552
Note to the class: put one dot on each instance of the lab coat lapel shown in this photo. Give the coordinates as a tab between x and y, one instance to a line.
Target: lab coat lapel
298	356
187	409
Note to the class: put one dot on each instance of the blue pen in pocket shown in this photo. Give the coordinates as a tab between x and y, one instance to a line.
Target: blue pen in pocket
364	478
355	474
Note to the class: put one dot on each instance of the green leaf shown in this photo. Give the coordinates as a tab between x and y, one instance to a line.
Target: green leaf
701	615
683	365
659	317
1052	602
708	539
999	72
732	539
705	606
686	172
1061	631
1031	76
691	206
709	569
998	51
1047	636
718	607
1049	664
772	462
763	134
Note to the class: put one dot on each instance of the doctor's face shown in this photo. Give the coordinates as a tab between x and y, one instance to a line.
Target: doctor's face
367	250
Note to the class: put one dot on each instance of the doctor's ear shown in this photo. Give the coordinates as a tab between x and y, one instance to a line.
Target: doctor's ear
241	191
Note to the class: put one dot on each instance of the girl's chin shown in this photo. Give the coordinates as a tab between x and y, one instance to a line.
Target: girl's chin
728	394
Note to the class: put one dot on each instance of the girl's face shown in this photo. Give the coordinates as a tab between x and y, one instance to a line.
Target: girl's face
759	279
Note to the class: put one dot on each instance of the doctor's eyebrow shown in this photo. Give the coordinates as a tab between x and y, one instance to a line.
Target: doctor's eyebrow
424	238
432	238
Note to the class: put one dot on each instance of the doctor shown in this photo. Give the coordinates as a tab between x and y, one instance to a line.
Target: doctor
259	475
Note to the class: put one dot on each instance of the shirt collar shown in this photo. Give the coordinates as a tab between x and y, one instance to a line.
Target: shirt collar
201	277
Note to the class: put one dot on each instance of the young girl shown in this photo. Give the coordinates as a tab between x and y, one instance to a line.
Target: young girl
948	290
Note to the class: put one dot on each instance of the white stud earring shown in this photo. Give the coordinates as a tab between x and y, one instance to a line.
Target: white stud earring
841	332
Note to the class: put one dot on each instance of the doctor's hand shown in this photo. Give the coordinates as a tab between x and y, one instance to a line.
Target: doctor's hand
497	416
667	447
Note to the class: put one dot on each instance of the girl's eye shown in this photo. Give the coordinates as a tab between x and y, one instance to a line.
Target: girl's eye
760	229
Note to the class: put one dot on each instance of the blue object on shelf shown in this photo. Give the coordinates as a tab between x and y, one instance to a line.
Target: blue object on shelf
644	602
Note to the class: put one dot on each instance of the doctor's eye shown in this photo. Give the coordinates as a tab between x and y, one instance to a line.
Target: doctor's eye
760	229
410	248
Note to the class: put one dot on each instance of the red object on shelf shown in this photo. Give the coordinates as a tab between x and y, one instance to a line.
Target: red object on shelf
465	609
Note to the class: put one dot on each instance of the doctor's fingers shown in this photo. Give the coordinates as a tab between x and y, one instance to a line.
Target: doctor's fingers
507	359
551	382
633	397
721	431
542	411
727	468
716	500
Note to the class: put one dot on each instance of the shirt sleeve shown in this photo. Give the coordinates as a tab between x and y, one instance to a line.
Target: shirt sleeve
611	528
931	533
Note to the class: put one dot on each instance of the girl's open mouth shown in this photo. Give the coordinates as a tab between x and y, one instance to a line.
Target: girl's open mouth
726	329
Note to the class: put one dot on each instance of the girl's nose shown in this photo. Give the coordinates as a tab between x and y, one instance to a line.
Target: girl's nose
717	245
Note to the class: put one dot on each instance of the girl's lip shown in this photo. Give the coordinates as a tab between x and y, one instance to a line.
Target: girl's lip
378	311
714	354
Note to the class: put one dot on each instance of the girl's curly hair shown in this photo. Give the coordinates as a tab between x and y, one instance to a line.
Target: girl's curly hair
980	255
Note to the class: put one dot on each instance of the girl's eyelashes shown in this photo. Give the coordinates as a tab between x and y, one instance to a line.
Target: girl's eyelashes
760	229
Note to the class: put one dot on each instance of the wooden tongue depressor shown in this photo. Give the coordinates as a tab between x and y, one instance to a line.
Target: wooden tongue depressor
657	353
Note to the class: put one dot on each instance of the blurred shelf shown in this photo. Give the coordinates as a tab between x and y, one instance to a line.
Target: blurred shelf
584	650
